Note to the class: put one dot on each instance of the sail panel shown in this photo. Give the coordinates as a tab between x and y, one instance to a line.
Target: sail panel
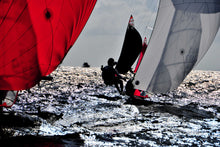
184	30
209	33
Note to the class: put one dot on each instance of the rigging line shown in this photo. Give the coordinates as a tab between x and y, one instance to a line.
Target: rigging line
155	21
150	22
152	9
143	21
132	8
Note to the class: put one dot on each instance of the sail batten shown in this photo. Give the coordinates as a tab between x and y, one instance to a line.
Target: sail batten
184	30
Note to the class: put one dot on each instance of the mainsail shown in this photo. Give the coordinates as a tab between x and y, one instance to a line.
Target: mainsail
131	48
35	36
183	32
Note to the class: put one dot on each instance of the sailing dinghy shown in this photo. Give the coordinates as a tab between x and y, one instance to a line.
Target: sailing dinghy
184	31
132	49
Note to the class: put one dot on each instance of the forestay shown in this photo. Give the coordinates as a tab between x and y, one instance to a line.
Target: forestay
183	32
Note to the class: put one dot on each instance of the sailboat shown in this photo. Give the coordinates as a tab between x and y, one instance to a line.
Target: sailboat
183	32
35	36
132	49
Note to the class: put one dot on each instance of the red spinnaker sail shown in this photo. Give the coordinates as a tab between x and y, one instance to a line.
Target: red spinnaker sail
35	36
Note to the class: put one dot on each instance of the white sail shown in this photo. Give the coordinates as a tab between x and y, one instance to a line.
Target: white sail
183	32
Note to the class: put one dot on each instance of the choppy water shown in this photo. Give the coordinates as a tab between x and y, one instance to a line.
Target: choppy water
78	109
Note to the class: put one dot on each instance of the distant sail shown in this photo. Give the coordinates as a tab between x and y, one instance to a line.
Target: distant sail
183	32
131	48
35	36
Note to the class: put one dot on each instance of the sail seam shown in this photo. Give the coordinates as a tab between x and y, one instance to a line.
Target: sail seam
7	13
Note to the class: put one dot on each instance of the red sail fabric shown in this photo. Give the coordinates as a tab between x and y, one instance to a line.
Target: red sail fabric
35	36
138	94
144	47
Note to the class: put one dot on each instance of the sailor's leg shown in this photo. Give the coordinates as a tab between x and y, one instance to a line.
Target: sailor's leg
129	88
121	85
116	85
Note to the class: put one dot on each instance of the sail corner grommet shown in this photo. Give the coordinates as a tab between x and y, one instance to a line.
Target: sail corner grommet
47	13
137	82
182	51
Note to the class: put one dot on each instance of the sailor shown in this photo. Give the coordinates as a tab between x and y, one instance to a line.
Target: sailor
111	76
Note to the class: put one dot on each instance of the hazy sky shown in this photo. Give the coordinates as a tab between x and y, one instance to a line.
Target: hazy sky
104	33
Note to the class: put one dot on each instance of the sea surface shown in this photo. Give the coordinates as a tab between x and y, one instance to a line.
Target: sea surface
78	109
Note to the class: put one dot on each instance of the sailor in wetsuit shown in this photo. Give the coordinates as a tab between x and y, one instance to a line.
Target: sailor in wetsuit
111	76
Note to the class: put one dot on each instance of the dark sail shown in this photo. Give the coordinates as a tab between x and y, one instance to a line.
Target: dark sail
130	50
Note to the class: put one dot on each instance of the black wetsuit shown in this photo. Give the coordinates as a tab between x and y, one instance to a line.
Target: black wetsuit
111	76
